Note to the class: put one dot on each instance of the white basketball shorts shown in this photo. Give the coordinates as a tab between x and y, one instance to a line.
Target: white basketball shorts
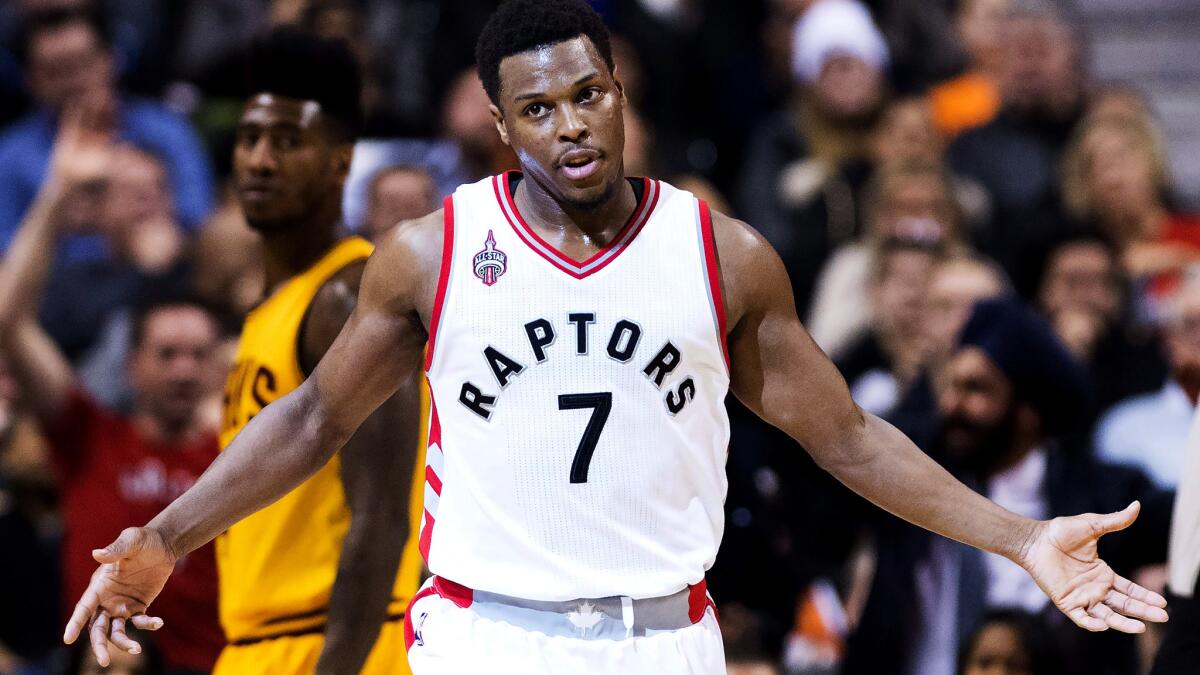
451	629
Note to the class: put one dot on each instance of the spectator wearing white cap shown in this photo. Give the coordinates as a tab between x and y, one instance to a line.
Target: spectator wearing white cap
793	187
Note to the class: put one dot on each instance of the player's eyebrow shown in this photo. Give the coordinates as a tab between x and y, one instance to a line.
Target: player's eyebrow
539	94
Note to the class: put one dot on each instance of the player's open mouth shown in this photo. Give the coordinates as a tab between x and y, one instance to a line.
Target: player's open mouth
579	164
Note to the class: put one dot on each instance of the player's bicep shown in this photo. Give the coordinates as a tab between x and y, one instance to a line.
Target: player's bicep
379	348
779	372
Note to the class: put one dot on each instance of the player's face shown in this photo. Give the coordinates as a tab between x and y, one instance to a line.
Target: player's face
561	112
998	651
170	369
975	401
286	166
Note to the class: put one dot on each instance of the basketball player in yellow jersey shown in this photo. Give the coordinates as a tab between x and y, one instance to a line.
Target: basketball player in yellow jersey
308	583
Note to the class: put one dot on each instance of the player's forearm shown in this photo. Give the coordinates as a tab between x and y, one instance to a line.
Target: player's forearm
880	463
362	591
281	447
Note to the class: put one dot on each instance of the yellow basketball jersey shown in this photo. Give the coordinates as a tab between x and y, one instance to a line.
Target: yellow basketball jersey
277	566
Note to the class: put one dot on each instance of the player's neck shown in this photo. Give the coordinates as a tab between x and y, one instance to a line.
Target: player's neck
290	252
600	222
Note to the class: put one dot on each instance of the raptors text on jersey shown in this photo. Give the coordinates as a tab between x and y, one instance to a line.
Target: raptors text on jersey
578	431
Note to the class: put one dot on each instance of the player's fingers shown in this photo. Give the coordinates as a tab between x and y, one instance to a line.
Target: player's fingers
121	639
1139	592
1082	619
81	615
99	638
1116	621
1135	608
1114	522
146	622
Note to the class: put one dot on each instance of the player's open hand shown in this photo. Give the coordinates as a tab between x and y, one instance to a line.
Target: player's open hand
132	573
1061	556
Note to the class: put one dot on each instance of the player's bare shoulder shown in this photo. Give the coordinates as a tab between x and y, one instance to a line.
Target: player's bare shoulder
751	270
403	271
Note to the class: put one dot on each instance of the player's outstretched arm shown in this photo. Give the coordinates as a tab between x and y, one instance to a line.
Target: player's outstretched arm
376	467
781	374
379	348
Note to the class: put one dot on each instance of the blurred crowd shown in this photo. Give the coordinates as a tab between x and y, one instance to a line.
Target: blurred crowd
983	237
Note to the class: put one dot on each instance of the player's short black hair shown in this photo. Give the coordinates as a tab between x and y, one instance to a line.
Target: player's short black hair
148	307
295	63
521	25
42	21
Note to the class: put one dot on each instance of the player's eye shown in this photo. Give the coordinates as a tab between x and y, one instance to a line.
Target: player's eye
590	94
535	110
286	142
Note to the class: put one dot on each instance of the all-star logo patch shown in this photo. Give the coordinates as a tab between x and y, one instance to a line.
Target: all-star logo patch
491	262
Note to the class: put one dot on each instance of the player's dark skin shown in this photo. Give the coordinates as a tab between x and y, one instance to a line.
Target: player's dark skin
289	169
777	371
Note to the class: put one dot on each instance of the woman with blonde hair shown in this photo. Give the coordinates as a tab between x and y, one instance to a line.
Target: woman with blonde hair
1115	176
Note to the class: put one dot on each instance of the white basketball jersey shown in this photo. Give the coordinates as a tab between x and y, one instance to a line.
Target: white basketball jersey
578	436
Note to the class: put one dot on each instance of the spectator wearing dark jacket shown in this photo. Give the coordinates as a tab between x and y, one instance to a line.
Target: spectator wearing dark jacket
1006	403
1016	156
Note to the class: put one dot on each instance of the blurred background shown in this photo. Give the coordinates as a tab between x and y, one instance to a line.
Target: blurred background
907	158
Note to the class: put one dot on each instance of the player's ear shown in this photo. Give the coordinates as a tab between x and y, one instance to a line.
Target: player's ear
616	76
498	118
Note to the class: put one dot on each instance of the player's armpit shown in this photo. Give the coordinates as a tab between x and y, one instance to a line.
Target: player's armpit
778	371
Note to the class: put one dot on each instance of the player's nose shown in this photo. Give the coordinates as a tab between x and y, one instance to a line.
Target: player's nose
571	125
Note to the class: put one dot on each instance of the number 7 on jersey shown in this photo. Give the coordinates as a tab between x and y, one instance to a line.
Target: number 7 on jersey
601	404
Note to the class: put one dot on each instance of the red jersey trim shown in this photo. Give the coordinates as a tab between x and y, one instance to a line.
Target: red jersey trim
714	275
598	261
443	276
432	480
410	633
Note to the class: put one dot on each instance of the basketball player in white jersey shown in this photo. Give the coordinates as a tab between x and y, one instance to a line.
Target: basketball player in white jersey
583	330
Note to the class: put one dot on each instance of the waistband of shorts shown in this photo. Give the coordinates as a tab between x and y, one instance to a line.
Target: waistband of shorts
310	629
614	617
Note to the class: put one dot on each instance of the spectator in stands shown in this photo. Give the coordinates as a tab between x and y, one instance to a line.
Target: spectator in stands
69	66
123	194
1119	102
1016	156
1083	295
87	305
880	365
1007	395
956	284
789	186
1009	642
1150	431
397	193
467	120
135	464
958	281
906	132
1115	175
972	99
912	201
